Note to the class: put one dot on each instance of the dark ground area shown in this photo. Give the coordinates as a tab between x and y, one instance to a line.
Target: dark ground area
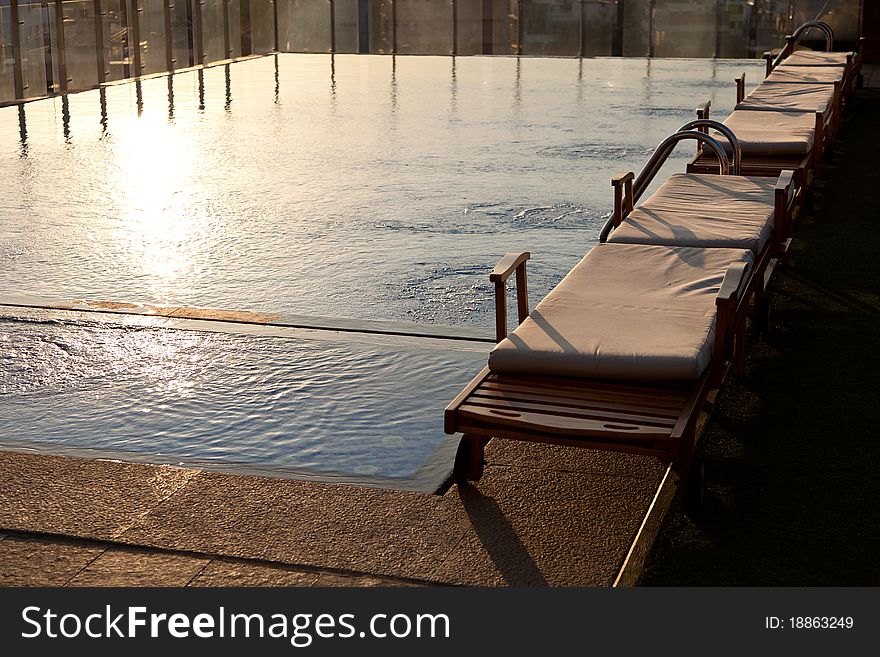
793	452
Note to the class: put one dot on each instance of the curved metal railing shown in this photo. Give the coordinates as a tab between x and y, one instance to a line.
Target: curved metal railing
658	158
736	159
791	39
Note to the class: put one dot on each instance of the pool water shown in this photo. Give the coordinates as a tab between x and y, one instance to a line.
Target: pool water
370	187
315	405
365	187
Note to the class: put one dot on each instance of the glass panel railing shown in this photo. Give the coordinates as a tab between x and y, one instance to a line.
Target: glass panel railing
304	25
34	33
262	26
115	34
152	36
600	28
551	27
180	13
234	9
96	41
7	56
213	31
381	26
685	28
348	26
424	27
80	52
843	17
637	26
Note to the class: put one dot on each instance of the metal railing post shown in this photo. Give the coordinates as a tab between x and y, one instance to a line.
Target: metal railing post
363	26
332	26
17	74
276	42
126	44
62	53
581	26
393	27
134	40
454	27
519	26
227	44
169	51
99	42
198	38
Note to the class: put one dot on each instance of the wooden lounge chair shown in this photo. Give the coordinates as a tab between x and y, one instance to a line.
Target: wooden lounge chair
850	62
771	142
621	355
795	96
711	211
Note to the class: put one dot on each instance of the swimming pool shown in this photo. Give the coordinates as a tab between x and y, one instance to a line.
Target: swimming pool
371	187
364	187
350	407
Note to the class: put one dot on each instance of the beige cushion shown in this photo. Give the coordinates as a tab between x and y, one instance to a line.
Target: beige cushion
703	210
624	312
806	74
798	97
816	58
772	133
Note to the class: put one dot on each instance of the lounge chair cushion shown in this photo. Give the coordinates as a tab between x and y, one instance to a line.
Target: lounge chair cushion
806	74
816	58
703	210
797	97
629	312
772	133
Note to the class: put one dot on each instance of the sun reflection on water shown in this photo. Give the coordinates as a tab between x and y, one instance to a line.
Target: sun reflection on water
159	225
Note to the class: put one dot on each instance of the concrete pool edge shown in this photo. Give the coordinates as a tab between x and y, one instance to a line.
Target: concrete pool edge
230	319
496	535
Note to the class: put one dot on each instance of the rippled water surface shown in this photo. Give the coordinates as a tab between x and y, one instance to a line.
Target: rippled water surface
343	409
355	186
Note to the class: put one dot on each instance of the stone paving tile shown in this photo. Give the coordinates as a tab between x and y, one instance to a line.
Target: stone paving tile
229	572
334	579
80	497
534	527
329	526
133	567
37	561
572	459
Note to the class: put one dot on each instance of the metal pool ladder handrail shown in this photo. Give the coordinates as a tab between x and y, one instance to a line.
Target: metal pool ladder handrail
791	39
705	124
628	191
664	150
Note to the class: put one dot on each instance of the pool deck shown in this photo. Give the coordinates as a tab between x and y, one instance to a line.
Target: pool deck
541	515
66	519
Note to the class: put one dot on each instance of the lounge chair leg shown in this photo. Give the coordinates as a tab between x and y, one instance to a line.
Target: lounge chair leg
692	485
470	458
765	316
739	351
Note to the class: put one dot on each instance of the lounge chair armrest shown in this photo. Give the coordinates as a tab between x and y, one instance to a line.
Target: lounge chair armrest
734	278
740	88
620	178
785	180
784	194
623	196
507	265
511	262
